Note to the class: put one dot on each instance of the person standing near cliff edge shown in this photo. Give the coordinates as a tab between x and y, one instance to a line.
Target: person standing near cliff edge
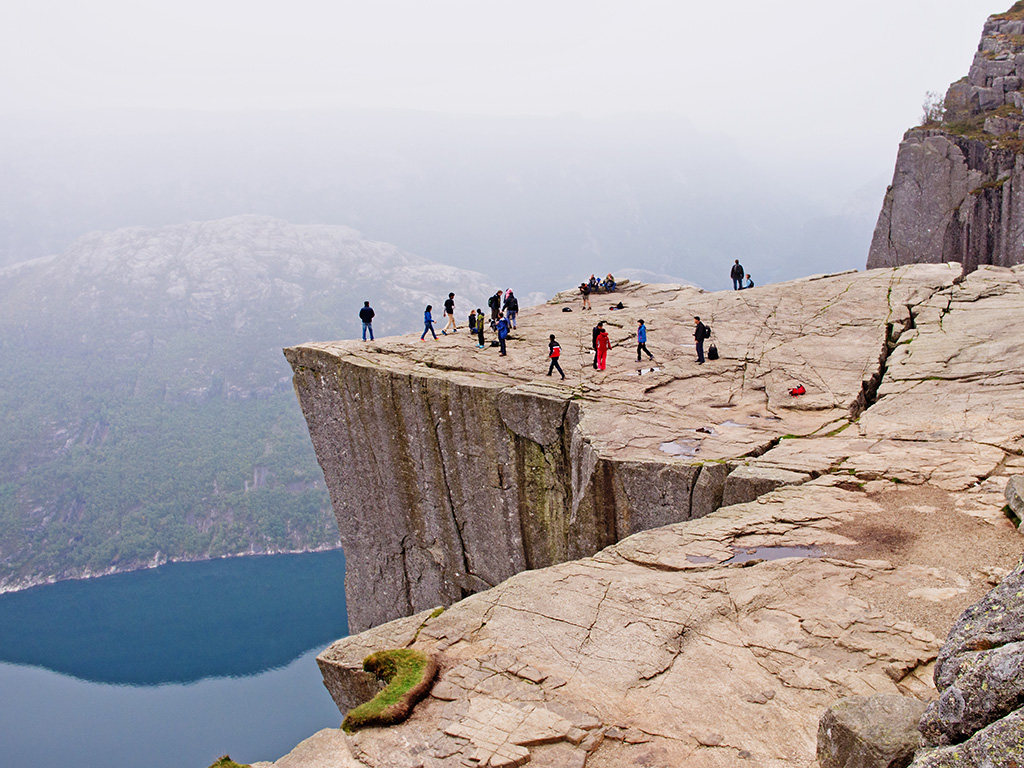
366	315
700	332
736	273
449	312
428	323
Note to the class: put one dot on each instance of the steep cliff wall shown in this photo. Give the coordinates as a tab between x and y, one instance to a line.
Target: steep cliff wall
451	469
958	189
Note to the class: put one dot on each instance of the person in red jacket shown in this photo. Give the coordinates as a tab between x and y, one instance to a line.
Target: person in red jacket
554	352
602	343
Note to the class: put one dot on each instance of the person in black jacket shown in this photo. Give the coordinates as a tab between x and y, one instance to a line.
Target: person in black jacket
366	315
700	332
736	273
511	309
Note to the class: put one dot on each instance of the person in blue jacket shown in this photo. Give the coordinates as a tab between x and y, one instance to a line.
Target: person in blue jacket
428	323
502	329
641	341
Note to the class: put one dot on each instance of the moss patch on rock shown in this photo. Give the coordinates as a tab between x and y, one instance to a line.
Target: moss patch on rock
409	674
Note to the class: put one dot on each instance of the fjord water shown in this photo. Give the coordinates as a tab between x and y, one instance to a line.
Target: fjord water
173	666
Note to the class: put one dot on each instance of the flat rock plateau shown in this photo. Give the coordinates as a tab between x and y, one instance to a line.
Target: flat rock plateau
667	564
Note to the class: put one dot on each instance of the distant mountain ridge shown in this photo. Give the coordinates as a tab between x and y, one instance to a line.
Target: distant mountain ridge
148	412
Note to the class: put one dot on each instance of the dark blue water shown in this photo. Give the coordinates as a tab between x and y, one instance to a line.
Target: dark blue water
170	667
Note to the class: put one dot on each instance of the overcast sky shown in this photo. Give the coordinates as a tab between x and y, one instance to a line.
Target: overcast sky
831	86
770	64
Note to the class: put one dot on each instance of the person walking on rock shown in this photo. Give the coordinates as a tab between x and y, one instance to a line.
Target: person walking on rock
603	344
736	273
366	315
511	308
480	328
598	329
428	323
700	332
554	352
641	341
502	328
449	312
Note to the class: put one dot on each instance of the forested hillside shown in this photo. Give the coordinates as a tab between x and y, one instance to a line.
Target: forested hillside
147	412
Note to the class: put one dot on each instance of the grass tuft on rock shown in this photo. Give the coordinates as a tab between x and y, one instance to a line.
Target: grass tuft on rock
224	761
1016	12
409	674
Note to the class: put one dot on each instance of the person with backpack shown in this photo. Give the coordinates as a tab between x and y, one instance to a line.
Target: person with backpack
603	344
494	304
641	340
428	323
554	352
480	328
736	273
366	315
472	322
502	328
449	312
700	332
511	308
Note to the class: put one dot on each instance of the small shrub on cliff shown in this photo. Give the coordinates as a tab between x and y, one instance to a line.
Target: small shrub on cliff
933	109
226	762
1016	12
409	675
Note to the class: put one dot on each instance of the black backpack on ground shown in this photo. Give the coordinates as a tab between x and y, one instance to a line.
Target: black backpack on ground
712	352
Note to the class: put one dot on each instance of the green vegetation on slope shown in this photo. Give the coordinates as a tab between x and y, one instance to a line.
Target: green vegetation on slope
408	674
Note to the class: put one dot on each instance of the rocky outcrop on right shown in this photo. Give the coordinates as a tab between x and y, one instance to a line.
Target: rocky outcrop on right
978	719
957	193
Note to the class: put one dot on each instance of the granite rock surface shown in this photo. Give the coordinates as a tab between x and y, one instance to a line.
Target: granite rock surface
719	639
451	468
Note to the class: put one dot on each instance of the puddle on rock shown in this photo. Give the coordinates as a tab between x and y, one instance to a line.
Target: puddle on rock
679	448
645	371
731	423
746	554
701	559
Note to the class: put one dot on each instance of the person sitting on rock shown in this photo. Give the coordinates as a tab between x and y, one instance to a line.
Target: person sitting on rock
749	283
609	284
595	284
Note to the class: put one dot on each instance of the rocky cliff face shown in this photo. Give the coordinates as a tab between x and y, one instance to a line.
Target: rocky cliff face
958	189
716	641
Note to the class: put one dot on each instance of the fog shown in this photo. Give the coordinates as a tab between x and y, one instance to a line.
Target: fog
535	142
